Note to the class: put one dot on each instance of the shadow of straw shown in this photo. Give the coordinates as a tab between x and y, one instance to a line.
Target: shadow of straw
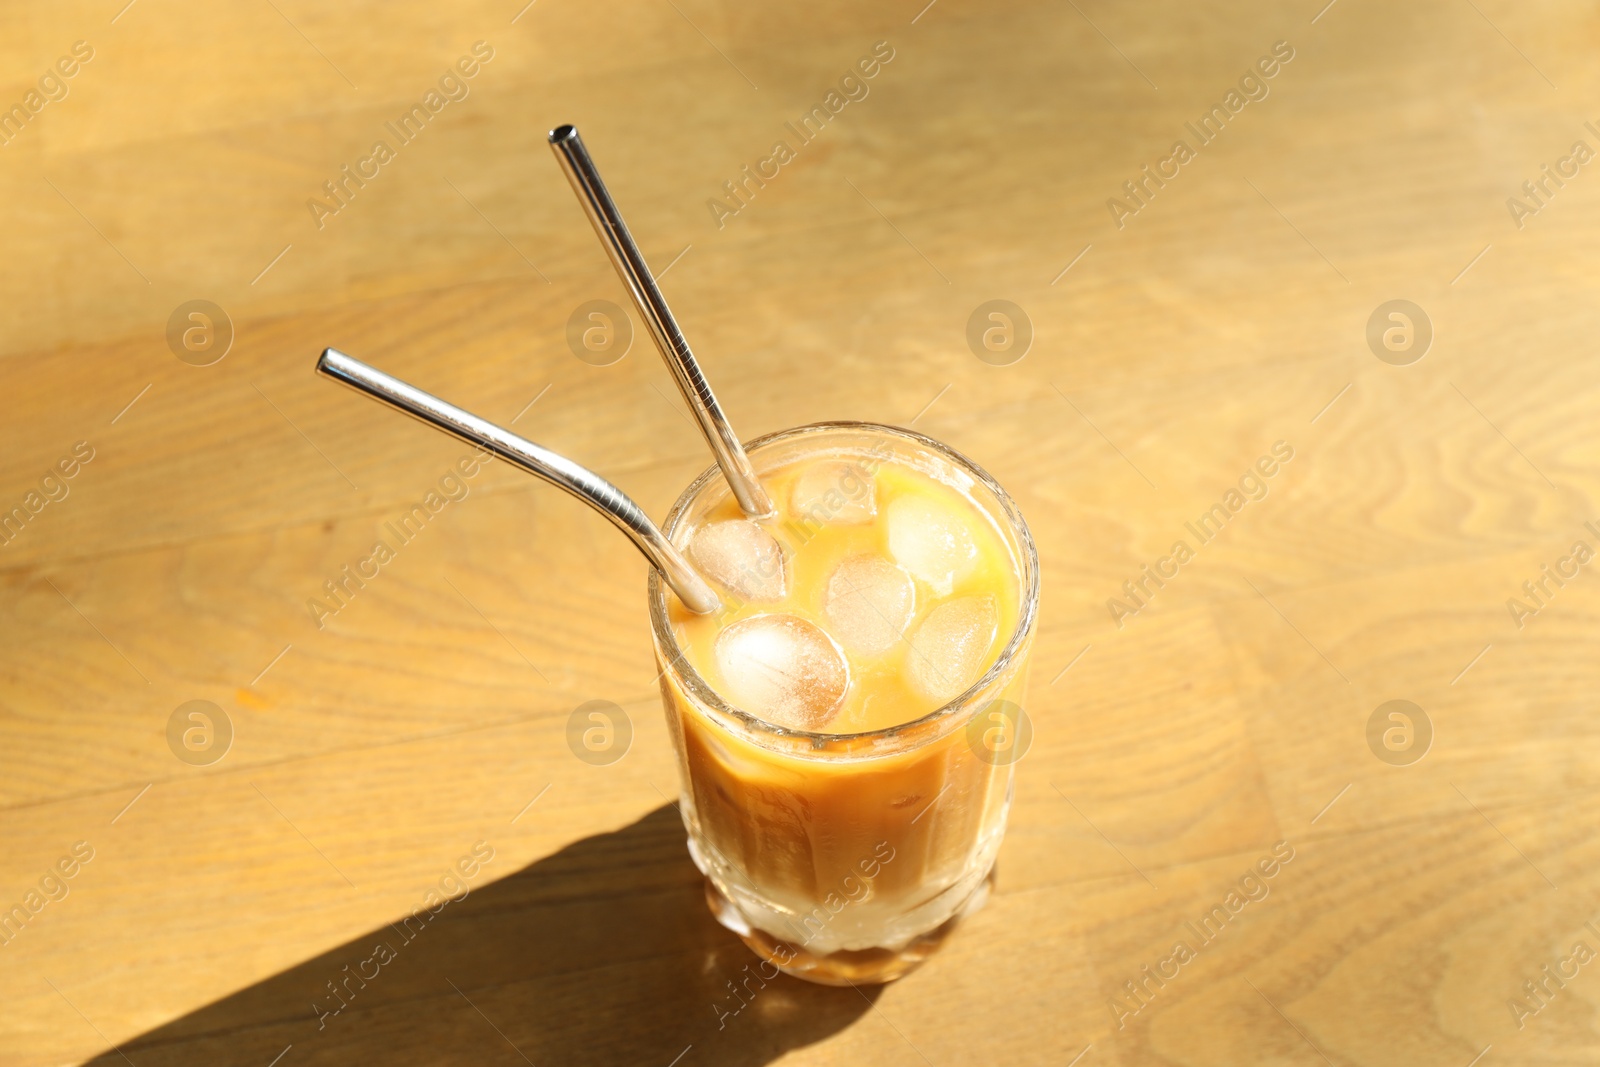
603	953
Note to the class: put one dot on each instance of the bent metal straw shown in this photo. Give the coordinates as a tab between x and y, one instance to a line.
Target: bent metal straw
556	469
641	284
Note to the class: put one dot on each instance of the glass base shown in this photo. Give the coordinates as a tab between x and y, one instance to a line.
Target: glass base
845	967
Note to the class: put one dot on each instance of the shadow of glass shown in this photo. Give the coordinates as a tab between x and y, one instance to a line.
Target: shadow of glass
602	953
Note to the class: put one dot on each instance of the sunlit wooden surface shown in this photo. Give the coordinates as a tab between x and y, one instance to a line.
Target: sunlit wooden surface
1229	714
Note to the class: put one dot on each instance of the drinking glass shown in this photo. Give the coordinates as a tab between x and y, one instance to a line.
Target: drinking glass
847	858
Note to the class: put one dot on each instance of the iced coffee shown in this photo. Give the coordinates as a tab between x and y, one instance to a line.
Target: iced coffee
847	723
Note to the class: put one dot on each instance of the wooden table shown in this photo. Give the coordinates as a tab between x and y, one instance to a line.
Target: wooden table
1177	336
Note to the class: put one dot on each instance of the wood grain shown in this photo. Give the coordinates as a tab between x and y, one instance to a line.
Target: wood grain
1171	752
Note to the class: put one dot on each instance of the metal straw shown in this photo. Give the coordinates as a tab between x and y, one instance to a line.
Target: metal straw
641	284
559	471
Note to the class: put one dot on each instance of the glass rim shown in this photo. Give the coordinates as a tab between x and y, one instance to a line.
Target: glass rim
697	688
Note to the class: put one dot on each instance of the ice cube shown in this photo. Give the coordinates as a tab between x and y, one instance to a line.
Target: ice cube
783	669
950	650
931	542
834	492
742	556
869	603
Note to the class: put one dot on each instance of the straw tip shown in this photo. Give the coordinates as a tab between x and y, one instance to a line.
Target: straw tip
325	361
564	132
